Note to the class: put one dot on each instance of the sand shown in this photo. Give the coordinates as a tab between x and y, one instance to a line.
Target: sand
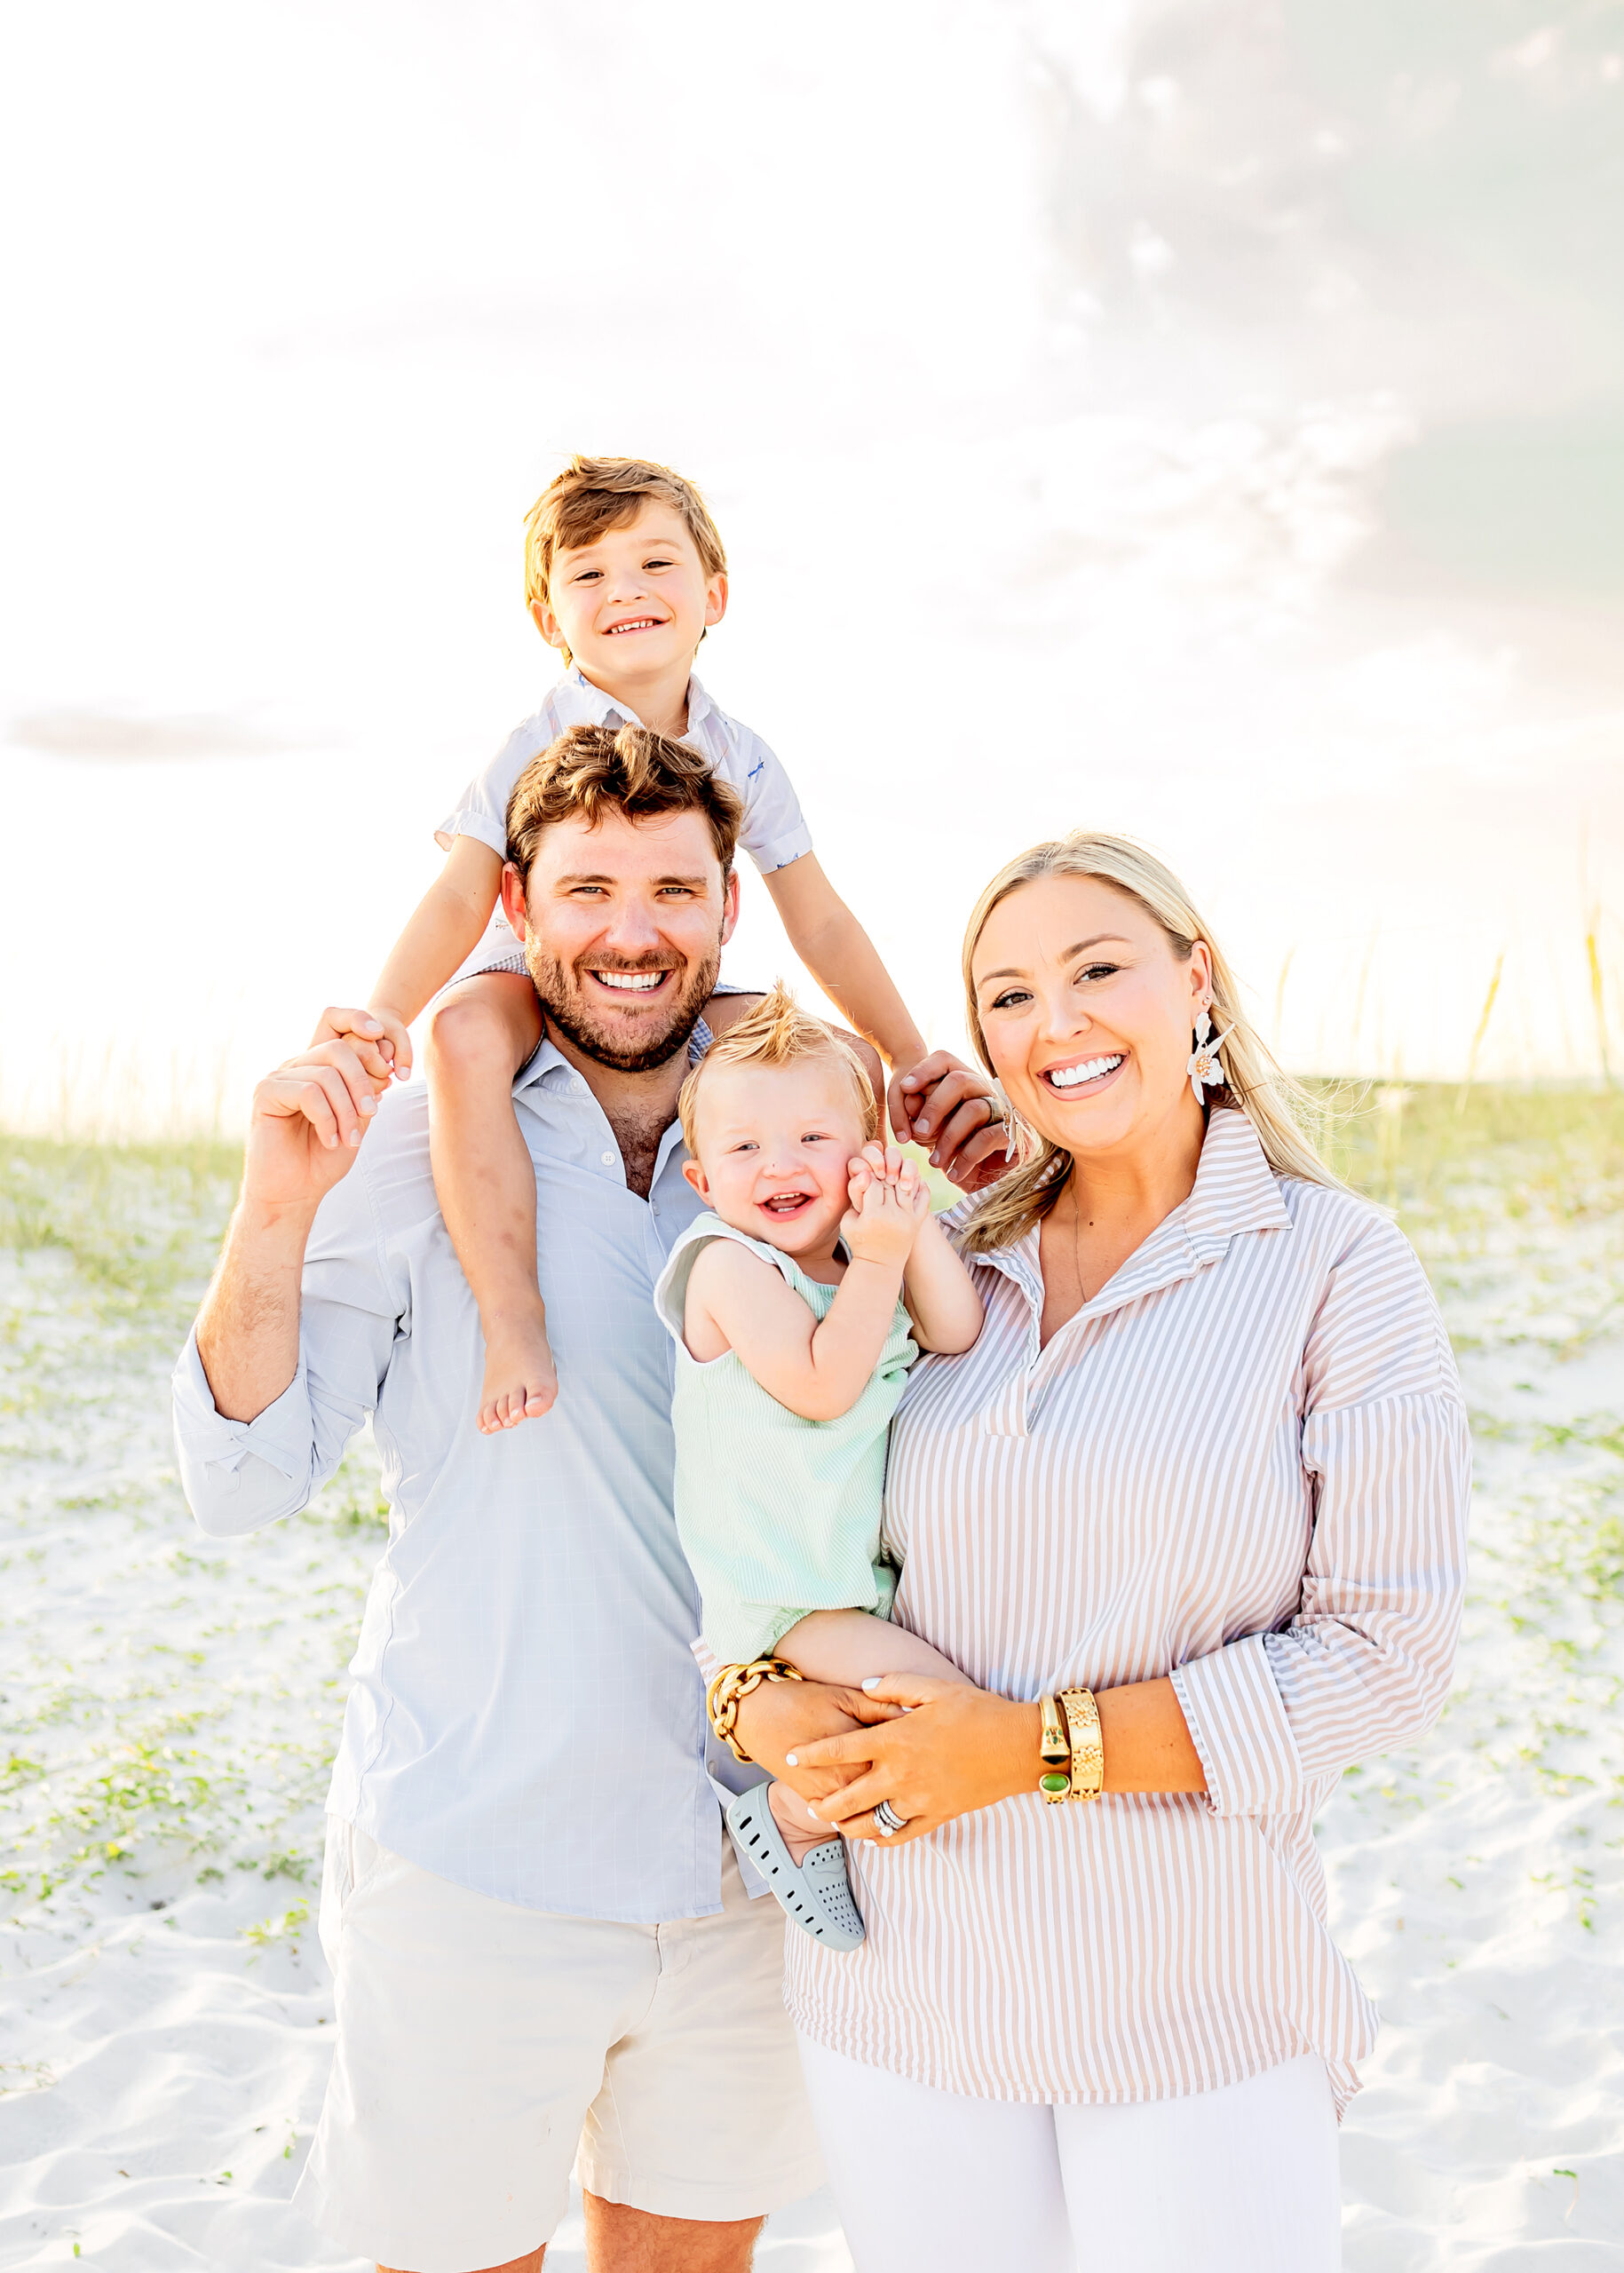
169	1705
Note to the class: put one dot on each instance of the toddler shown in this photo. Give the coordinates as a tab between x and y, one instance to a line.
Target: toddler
624	572
796	1307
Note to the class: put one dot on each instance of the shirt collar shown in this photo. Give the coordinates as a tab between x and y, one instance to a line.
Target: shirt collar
1235	1192
606	707
1235	1188
550	1061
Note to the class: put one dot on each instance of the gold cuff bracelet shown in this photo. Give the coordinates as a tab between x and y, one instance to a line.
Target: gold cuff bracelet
1088	1749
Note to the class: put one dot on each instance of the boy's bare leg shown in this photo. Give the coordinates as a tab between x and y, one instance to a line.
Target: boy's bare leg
477	1038
844	1648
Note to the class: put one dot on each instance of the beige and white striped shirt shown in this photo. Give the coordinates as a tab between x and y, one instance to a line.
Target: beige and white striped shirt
1245	1463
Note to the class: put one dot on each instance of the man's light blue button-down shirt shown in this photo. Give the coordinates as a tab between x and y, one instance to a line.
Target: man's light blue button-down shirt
526	1718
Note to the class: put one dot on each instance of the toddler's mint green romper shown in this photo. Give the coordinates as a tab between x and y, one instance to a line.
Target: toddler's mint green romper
777	1515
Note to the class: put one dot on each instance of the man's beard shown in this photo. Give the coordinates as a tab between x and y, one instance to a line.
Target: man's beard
561	998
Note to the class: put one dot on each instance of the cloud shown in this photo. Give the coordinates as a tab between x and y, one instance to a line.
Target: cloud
1255	198
115	738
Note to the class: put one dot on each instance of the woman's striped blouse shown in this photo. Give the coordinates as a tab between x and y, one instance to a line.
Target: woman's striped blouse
1245	1463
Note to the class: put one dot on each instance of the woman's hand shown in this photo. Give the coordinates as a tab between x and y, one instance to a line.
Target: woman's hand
778	1721
956	1748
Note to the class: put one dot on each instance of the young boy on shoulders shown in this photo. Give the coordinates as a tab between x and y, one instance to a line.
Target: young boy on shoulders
624	573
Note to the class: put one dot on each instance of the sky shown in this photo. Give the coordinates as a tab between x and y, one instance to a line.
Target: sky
1200	418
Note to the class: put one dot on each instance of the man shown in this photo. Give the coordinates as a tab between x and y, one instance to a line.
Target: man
537	1936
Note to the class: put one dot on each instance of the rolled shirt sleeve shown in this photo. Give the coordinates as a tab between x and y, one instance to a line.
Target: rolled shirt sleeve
240	1475
1365	1661
774	831
481	811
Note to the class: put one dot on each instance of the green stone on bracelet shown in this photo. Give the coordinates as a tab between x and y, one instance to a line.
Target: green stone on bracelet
1055	1784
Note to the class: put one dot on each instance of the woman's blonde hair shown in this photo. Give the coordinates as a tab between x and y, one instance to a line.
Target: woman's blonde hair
777	1032
1275	1104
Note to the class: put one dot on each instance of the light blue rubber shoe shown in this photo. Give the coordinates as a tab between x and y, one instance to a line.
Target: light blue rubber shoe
817	1893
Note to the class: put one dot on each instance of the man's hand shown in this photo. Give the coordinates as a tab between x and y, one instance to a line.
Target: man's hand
307	1122
308	1118
945	1103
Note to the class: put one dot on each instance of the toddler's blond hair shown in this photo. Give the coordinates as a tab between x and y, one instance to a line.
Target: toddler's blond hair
777	1032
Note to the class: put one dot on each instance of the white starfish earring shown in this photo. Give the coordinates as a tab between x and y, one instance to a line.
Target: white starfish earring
1206	1068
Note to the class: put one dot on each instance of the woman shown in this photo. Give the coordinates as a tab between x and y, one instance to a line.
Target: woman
1209	1460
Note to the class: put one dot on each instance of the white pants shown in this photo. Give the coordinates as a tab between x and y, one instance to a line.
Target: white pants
1241	2180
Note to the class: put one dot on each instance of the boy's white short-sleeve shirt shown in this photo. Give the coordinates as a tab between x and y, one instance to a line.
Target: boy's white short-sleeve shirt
773	832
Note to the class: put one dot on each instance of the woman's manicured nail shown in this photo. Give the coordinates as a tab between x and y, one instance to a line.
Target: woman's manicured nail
873	1681
790	1760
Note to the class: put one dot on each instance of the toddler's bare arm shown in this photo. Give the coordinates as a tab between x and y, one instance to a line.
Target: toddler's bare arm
940	1293
737	1302
848	1647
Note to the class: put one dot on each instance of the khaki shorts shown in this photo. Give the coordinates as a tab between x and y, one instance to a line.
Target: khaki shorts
482	2047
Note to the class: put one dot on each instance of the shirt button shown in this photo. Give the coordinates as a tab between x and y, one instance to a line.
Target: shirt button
577	1085
607	1158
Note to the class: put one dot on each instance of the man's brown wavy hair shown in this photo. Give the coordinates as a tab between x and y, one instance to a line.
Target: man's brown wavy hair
593	770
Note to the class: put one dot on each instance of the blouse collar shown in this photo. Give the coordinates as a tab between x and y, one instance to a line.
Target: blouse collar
1235	1192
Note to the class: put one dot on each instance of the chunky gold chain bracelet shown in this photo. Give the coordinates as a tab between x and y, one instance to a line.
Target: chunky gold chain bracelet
729	1689
1088	1747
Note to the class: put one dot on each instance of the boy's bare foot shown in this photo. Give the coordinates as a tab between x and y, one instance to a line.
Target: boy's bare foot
801	1831
522	1380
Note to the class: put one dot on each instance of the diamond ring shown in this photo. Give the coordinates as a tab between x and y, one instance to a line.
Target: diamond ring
887	1820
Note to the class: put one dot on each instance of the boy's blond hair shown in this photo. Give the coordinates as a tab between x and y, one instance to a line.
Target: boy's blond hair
592	494
777	1032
